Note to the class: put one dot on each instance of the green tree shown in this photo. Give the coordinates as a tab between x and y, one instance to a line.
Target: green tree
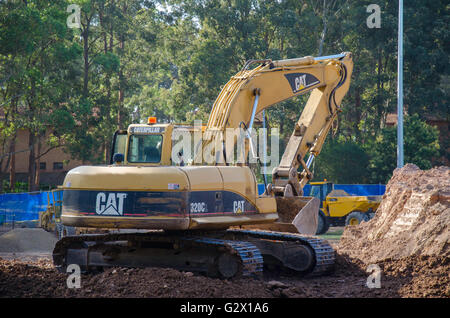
134	56
342	161
37	53
421	145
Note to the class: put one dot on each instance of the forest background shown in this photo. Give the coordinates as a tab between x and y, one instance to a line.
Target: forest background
131	59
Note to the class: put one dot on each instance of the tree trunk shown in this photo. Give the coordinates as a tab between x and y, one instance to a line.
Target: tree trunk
102	25
358	112
3	170
12	164
37	178
86	61
322	38
108	150
31	163
324	30
122	80
379	92
121	87
85	35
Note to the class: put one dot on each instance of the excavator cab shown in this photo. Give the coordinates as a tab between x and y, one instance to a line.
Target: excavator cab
154	144
143	144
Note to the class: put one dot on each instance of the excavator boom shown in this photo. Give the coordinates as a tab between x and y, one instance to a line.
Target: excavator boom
251	91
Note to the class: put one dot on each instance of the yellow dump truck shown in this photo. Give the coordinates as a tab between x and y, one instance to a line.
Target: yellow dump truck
50	219
338	208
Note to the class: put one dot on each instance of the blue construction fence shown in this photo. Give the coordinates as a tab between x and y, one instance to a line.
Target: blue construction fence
16	208
352	189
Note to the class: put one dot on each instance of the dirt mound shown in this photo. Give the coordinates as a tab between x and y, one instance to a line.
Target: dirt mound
338	193
27	240
412	219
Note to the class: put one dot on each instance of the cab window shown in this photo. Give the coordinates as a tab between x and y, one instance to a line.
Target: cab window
120	143
145	148
315	192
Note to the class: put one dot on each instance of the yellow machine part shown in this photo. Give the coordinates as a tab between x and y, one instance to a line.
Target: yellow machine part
342	206
164	197
46	220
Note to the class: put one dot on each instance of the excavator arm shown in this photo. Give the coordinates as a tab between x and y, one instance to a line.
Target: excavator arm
251	91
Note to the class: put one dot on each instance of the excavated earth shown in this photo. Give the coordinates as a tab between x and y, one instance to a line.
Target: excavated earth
412	220
411	277
407	241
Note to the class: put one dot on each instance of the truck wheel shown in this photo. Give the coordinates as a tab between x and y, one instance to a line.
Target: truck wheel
322	223
356	218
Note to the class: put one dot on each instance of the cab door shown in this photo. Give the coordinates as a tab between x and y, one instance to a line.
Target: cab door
119	144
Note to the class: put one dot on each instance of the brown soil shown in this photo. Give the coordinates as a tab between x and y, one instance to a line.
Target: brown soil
407	240
410	277
288	208
412	219
338	193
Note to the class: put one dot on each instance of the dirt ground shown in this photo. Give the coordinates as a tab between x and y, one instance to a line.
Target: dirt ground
409	277
402	252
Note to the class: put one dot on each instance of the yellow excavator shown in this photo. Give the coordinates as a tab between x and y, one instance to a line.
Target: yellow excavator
187	210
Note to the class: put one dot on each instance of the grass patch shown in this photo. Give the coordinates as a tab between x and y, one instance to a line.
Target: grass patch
333	233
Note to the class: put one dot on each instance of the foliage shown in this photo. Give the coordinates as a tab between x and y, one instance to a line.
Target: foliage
135	58
342	161
421	146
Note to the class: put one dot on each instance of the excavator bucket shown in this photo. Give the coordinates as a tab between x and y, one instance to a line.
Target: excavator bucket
295	215
306	219
299	213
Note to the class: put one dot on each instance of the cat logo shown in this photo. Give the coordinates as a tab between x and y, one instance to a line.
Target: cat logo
301	81
238	206
110	204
